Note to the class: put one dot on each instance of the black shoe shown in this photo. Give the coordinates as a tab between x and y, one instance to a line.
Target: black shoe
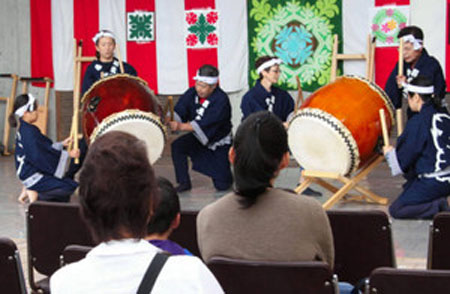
310	192
183	187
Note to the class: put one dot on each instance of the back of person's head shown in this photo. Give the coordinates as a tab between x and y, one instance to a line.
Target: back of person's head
424	84
19	102
117	187
411	30
167	208
208	70
259	146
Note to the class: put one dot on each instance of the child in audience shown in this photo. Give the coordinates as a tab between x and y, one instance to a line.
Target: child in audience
165	219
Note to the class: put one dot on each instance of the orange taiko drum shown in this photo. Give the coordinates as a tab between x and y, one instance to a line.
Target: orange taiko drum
338	127
124	103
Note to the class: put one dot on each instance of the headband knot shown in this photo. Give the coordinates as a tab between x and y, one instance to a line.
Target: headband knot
29	106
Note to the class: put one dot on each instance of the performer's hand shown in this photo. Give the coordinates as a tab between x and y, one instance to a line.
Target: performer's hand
286	125
67	141
74	153
174	125
400	81
387	149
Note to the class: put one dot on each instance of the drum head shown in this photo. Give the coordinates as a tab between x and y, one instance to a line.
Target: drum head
144	125
320	142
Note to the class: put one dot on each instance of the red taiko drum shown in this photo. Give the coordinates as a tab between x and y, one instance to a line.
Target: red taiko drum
124	103
338	127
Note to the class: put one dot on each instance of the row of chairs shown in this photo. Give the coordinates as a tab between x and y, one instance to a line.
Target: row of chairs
363	240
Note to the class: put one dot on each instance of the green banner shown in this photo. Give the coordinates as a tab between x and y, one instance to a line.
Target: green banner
300	32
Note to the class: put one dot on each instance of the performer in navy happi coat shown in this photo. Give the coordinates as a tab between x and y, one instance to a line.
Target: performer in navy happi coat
40	163
106	64
264	95
205	112
422	155
416	62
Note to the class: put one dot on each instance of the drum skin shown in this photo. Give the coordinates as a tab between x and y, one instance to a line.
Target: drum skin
114	94
355	102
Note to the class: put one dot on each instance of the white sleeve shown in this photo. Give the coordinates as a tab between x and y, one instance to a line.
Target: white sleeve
391	158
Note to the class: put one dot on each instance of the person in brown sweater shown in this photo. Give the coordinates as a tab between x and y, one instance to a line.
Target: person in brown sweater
257	221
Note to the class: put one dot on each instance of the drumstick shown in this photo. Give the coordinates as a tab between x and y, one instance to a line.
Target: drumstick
399	122
119	56
400	58
384	128
76	102
299	100
170	101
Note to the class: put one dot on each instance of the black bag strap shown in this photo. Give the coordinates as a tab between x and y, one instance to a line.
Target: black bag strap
152	273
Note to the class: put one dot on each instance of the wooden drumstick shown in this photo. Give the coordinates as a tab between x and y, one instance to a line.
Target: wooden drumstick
299	100
119	56
400	58
399	118
170	101
76	101
384	127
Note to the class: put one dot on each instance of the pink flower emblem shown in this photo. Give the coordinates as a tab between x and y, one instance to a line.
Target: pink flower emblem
191	40
212	39
212	17
191	18
402	25
375	27
389	12
390	40
385	27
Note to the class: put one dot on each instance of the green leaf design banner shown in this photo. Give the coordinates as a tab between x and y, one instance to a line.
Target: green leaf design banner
300	32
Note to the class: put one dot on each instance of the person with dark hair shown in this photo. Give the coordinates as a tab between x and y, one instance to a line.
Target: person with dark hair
204	111
264	95
165	219
416	62
106	64
40	163
422	155
117	194
258	221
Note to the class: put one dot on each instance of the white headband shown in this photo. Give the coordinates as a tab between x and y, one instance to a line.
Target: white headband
27	107
419	89
417	43
101	34
268	64
208	80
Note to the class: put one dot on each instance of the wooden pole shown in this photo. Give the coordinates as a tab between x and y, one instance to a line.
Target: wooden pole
299	100
368	56
334	59
171	107
119	56
400	58
384	128
76	101
399	122
372	59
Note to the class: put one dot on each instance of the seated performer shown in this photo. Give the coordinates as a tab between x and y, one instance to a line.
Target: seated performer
117	193
106	64
258	221
422	155
265	96
205	112
40	163
416	62
165	219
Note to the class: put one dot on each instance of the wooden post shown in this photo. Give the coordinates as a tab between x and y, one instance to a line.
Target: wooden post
384	128
372	60
334	59
9	108
368	56
119	56
171	107
299	100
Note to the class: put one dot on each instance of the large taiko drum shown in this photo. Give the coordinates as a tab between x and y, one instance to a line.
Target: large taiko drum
338	127
124	103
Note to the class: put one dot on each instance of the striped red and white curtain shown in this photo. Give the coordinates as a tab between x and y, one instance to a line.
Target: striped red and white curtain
169	40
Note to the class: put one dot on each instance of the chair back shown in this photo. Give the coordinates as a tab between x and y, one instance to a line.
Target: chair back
398	281
242	276
439	242
74	253
186	234
362	242
51	226
11	273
